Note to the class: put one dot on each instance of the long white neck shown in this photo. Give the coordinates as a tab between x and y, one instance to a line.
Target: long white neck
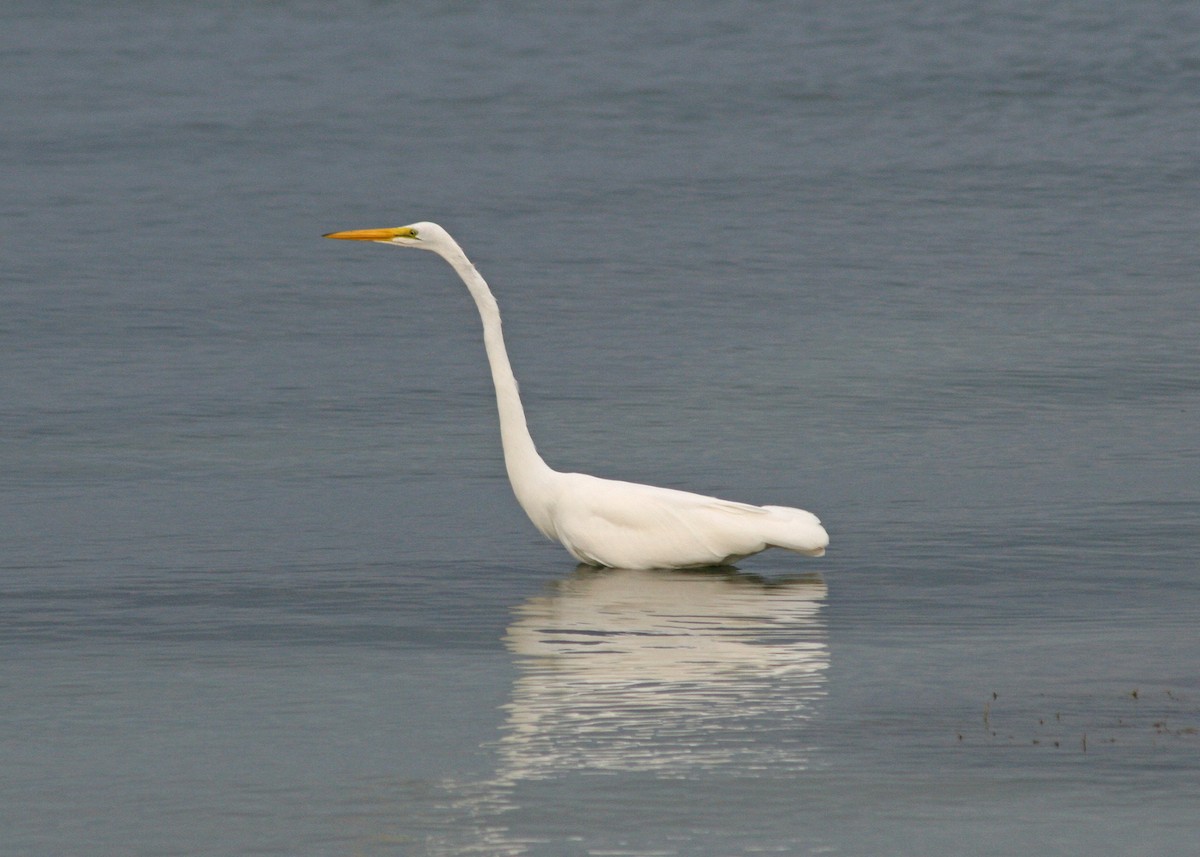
527	472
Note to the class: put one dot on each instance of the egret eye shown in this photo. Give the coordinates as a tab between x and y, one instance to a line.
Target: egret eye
414	233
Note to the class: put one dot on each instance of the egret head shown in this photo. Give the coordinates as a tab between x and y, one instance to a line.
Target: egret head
423	236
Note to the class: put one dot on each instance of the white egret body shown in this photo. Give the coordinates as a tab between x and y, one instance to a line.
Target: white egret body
602	521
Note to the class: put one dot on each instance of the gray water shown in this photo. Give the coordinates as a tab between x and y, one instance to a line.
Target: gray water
928	270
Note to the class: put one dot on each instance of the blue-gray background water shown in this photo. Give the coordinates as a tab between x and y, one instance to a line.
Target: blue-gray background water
928	270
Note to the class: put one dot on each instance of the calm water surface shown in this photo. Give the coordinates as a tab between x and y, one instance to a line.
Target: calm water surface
928	270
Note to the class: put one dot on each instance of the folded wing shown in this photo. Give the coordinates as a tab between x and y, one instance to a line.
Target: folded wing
627	525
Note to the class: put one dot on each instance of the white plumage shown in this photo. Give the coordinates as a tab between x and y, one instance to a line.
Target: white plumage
603	521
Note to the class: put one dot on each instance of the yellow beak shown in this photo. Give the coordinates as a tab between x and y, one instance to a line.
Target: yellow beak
374	234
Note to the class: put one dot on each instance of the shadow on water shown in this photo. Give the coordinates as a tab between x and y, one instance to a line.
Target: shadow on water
670	675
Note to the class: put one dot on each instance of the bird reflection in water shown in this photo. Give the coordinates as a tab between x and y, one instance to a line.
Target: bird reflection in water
661	674
664	672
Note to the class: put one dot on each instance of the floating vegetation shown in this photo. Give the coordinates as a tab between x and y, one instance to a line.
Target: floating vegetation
1130	717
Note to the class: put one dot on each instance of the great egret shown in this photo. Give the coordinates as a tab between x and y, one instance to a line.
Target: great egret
604	522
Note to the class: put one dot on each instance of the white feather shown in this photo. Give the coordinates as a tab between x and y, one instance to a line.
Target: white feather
603	521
